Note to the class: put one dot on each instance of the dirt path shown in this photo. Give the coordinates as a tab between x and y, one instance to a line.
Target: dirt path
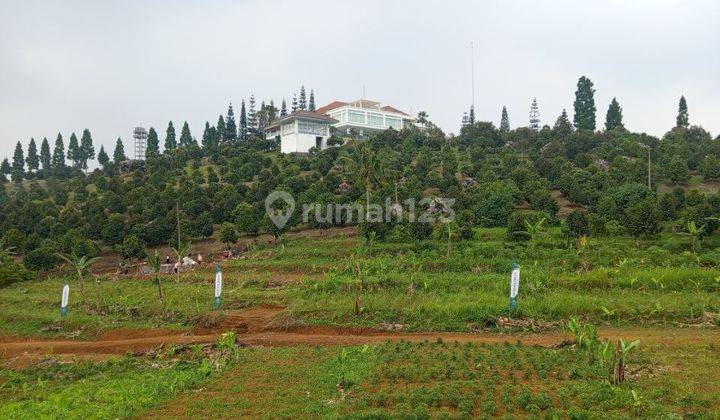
259	327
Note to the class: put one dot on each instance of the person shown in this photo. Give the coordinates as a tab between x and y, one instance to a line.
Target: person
176	267
199	259
167	259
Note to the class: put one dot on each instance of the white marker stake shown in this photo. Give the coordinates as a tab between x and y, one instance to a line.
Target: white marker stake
218	286
65	299
514	286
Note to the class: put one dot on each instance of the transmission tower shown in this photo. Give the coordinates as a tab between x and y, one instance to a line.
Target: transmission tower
140	135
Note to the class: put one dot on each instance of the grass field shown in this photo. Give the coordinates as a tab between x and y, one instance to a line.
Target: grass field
337	286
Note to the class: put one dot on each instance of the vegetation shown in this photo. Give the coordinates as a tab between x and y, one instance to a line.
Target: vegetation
611	229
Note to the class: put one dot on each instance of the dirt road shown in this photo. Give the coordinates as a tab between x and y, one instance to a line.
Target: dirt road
257	327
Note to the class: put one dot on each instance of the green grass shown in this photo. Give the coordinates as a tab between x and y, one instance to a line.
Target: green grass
33	309
119	388
413	284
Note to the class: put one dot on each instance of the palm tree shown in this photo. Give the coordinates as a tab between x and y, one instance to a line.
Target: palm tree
81	266
181	251
154	262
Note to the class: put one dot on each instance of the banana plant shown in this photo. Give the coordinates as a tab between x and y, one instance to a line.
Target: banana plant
604	353
582	245
81	265
696	234
180	252
534	230
154	262
622	350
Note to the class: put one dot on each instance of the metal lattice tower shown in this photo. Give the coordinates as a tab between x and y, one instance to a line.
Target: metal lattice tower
140	135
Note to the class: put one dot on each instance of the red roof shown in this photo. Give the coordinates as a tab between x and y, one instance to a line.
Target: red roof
388	108
329	107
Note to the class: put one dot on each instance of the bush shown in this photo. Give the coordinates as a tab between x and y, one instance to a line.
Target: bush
465	222
596	225
133	247
41	259
643	218
228	235
12	272
576	224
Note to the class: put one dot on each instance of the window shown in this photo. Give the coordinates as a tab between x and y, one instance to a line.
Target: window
393	122
311	127
288	128
356	117
375	119
340	116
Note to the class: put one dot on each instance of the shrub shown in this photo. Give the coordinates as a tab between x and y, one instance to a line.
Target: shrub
576	224
133	247
465	222
41	259
12	272
596	225
228	235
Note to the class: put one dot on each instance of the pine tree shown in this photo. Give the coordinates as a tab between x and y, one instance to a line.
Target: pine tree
243	121
504	120
186	138
613	118
682	119
207	138
230	126
272	112
294	103
311	105
471	115
18	165
283	109
252	115
563	126
45	157
262	116
58	157
73	153
303	99
87	149
5	168
33	160
170	142
103	158
153	144
584	105
221	129
534	115
119	153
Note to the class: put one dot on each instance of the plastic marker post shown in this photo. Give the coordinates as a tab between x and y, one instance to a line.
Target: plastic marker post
514	286
218	285
65	299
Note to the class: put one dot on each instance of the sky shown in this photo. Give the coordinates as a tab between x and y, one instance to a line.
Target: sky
111	66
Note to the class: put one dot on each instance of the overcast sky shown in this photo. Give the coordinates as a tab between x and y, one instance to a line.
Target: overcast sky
109	66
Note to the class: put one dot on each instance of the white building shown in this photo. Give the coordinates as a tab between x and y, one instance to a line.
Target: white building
362	117
301	131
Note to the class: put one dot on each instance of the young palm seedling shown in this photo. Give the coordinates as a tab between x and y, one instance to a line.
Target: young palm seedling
81	265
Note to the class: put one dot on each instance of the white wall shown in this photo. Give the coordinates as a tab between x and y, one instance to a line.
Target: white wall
299	143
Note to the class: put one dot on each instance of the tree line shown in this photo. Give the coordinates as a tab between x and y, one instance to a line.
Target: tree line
497	176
